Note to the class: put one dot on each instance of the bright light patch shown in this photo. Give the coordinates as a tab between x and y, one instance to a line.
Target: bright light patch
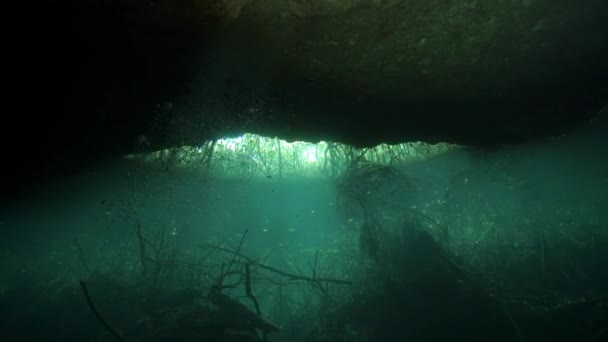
254	156
309	154
230	143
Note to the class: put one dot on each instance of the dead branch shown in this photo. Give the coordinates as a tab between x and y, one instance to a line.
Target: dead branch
240	311
85	292
249	291
142	248
314	267
225	273
81	255
290	276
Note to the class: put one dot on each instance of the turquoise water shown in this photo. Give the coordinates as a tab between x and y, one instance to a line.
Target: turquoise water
508	244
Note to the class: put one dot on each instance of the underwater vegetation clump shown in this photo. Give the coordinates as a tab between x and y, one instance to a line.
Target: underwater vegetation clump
361	185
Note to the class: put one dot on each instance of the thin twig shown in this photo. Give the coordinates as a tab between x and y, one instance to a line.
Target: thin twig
277	271
142	248
103	322
249	291
236	254
314	267
81	256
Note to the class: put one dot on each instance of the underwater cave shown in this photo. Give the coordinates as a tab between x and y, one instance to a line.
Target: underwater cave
306	171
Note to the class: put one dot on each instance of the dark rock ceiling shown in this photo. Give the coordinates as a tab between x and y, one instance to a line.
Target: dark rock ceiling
88	79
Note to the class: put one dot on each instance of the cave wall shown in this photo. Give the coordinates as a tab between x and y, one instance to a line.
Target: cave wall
101	78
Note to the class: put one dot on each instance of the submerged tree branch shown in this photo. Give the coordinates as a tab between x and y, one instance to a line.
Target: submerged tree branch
85	292
291	276
249	291
236	253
